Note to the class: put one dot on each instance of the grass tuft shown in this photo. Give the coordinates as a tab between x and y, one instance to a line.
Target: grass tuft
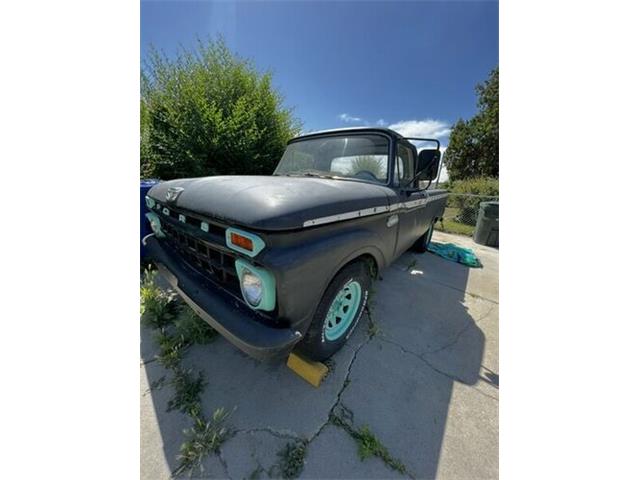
171	349
292	459
192	328
202	439
368	444
188	388
156	307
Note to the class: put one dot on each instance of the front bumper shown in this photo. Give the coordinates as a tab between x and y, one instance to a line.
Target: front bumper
233	320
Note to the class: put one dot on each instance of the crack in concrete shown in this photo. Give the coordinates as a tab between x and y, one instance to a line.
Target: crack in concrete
284	434
435	369
289	435
345	384
346	380
223	462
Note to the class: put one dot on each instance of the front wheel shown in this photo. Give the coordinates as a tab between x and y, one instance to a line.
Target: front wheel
422	244
338	312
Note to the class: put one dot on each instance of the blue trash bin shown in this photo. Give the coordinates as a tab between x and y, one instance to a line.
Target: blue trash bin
145	228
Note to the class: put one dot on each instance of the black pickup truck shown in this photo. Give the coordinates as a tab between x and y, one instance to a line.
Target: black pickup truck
283	261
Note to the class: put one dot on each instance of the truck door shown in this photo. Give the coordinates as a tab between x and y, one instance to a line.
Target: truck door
411	203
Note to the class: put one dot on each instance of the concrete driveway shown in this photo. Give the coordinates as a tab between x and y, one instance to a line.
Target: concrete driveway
426	385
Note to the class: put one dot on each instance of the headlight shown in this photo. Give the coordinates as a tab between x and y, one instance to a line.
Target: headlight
252	287
257	284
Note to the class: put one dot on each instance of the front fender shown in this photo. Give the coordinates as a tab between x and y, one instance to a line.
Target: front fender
305	264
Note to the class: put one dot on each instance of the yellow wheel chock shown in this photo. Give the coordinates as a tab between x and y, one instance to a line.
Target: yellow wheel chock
312	372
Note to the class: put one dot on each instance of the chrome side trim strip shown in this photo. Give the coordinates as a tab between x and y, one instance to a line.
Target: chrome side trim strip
373	211
346	216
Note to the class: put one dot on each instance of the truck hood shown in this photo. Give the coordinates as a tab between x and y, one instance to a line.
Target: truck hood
271	202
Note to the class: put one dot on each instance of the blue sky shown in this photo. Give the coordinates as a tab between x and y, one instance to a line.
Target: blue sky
408	65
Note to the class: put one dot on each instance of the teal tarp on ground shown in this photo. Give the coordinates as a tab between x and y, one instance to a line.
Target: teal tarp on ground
453	252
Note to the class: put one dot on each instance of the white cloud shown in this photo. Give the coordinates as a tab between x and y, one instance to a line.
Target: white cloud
429	128
345	117
381	122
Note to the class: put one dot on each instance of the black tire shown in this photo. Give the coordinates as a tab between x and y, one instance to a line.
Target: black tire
422	244
315	345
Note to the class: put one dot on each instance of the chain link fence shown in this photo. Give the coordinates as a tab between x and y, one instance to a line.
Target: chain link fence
461	212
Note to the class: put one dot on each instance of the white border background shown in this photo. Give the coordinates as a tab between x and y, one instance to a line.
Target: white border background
69	179
570	209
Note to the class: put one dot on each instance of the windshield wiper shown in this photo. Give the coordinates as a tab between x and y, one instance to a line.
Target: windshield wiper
310	174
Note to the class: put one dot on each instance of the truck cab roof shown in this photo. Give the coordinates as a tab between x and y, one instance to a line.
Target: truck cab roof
386	131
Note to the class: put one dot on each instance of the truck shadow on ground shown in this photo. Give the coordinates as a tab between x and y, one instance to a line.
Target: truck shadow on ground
395	375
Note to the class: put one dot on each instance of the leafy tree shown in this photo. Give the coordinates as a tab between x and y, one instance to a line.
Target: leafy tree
208	112
473	145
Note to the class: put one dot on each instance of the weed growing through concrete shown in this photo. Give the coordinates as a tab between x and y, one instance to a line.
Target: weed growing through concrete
177	328
368	444
146	264
155	305
331	365
373	328
188	388
202	439
192	328
291	460
171	349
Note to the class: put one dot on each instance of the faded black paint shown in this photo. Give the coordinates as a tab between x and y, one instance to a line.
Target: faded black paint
303	260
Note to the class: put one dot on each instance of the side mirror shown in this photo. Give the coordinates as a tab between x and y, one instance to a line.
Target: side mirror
428	163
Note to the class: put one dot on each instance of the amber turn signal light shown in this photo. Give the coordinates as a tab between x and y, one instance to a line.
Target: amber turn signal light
242	242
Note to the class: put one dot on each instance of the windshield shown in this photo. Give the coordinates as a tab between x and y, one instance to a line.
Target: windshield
362	157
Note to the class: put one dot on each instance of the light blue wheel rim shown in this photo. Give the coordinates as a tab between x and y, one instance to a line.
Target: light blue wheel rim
342	311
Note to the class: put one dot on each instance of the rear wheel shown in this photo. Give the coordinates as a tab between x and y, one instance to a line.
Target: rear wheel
423	242
338	312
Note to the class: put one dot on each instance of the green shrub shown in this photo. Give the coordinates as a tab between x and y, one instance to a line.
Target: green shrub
209	112
468	194
477	186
